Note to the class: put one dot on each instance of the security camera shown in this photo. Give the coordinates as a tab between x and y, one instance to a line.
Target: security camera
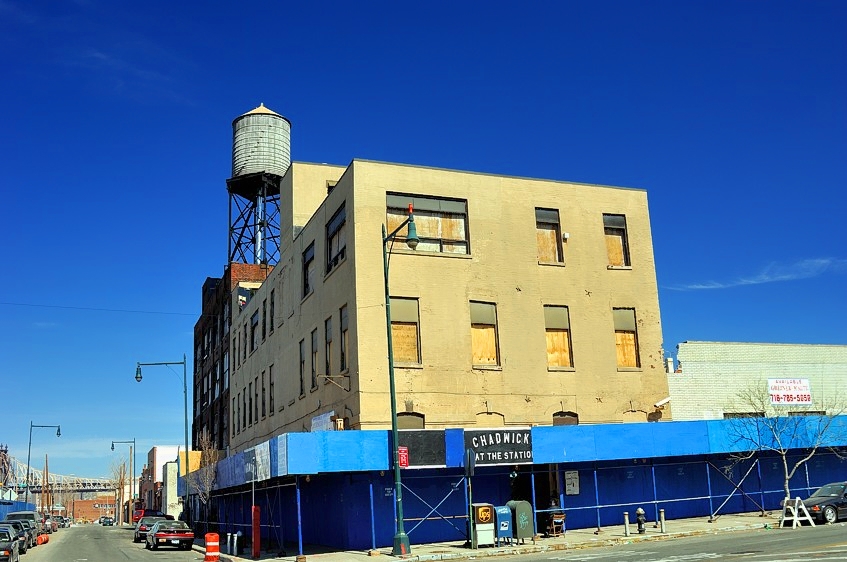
662	402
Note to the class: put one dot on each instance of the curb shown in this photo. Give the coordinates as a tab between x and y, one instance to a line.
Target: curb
517	550
202	550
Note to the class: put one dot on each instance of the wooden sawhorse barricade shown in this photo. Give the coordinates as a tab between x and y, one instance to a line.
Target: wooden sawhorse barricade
795	512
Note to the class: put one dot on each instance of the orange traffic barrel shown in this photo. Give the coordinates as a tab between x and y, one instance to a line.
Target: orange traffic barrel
213	548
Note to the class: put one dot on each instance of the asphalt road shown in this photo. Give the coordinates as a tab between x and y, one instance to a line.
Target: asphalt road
806	544
93	543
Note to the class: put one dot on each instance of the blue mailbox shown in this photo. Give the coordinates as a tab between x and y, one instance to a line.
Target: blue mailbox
503	525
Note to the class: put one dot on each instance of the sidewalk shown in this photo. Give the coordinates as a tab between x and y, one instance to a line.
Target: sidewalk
572	539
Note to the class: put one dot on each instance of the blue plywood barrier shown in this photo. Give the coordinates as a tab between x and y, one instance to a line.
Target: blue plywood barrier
686	479
680	439
337	451
8	506
572	443
347	502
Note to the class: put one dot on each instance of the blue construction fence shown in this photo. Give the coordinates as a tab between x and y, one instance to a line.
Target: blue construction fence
8	506
356	511
336	488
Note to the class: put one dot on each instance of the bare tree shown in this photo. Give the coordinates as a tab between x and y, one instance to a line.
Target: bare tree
120	476
66	498
204	477
759	425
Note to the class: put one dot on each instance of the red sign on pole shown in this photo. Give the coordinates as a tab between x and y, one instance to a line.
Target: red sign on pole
403	456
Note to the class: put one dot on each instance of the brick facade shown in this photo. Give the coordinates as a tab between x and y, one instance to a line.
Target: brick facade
711	374
91	510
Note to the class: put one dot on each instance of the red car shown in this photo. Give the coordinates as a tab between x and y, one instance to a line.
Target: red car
139	513
169	533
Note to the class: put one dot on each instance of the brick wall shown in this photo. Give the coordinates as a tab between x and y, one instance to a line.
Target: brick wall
91	510
713	373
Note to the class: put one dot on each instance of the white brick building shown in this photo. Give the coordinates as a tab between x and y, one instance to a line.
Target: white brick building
710	375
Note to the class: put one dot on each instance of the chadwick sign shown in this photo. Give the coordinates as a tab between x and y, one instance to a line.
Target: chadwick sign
500	446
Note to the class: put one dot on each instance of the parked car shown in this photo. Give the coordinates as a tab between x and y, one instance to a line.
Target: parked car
30	529
23	531
143	526
167	532
828	503
9	545
20	532
32	516
139	513
50	524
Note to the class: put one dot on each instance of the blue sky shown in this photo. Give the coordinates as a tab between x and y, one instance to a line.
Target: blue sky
117	140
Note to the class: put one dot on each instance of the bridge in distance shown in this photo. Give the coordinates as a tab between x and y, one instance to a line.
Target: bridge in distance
13	475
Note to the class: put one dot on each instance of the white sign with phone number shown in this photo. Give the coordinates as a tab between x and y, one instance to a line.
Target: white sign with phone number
791	392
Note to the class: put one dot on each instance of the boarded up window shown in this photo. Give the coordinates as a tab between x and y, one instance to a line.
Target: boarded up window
490	419
548	235
614	227
395	218
441	224
565	418
410	420
484	334
404	336
404	330
626	337
557	327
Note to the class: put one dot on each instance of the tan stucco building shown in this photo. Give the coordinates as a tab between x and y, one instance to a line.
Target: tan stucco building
526	302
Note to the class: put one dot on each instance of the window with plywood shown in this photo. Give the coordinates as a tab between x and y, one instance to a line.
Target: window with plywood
617	244
441	224
626	337
558	332
405	330
484	339
548	234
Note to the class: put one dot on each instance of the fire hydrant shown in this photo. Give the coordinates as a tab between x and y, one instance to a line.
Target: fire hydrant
640	520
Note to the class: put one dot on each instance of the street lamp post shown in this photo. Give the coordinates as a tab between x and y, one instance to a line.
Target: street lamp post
184	364
132	454
29	455
401	539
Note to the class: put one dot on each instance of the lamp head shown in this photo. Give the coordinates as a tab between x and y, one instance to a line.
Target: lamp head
138	373
58	431
412	239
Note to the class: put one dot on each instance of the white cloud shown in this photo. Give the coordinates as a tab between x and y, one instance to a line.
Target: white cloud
773	273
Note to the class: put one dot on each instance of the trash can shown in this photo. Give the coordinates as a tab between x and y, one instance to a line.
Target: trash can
503	528
484	518
522	520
